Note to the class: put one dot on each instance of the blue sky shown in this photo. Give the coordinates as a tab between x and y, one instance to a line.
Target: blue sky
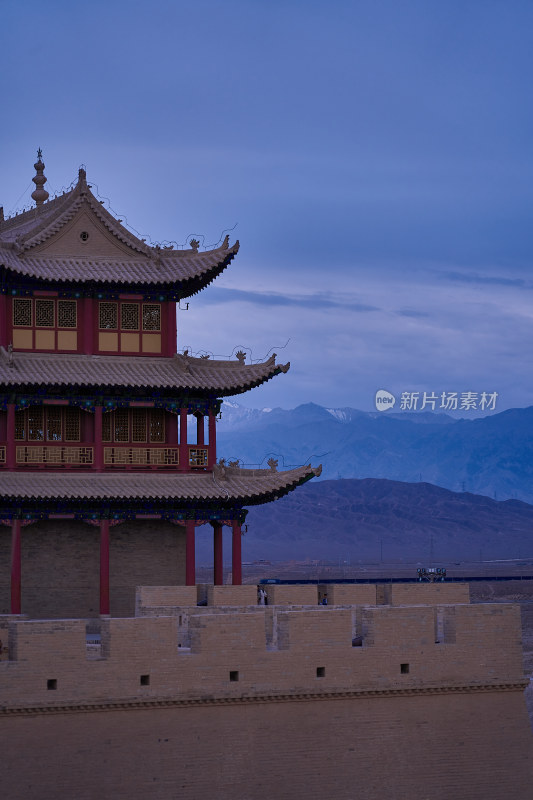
375	158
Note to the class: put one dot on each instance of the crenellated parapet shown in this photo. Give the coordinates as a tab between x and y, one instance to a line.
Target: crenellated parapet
205	655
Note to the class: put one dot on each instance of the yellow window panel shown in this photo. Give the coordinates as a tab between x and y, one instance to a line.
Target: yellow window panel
22	340
45	340
129	342
67	340
108	342
151	343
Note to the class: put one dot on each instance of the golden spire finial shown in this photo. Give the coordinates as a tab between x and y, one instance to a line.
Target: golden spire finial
40	194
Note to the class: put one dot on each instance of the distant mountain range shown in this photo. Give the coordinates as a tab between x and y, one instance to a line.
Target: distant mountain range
373	520
488	456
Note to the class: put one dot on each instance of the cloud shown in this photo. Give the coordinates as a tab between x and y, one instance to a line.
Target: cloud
416	334
218	296
488	280
409	312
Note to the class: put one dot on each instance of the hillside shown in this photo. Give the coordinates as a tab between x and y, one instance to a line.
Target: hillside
351	520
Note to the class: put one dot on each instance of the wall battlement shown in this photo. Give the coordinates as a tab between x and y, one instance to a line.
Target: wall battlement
224	652
350	697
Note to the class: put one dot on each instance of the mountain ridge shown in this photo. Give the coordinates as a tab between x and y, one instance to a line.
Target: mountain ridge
489	455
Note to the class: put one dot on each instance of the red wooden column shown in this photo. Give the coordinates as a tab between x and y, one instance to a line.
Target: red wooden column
236	554
98	444
171	428
218	577
4	340
16	568
212	453
104	566
200	436
87	334
183	446
190	555
171	343
10	448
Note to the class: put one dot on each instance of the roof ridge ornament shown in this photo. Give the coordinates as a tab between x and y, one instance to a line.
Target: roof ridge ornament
40	194
82	179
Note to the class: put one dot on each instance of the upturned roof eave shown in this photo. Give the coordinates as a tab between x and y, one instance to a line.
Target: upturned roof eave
181	288
245	489
23	237
179	375
170	390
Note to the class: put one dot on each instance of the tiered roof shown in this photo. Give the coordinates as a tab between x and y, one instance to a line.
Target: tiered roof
226	485
42	246
180	373
25	249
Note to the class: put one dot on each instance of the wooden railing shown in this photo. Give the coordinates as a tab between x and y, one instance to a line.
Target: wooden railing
135	456
54	455
115	456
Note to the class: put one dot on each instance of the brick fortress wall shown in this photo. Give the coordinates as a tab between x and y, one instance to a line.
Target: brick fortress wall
234	702
61	563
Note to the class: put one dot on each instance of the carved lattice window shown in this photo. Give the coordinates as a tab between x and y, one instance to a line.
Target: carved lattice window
157	425
106	427
35	424
108	317
138	425
44	313
53	424
129	316
121	425
66	314
198	457
72	424
22	311
20	426
151	317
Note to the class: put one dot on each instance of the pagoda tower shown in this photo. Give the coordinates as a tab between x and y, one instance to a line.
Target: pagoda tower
95	450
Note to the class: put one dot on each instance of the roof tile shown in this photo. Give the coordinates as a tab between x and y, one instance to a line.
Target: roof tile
181	373
245	486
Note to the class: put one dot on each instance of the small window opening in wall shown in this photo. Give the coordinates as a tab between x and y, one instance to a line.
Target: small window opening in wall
321	672
145	680
179	620
404	669
234	675
84	236
51	683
